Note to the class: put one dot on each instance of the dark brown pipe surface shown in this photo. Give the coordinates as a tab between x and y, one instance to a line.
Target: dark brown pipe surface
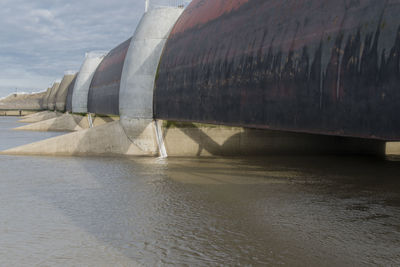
317	66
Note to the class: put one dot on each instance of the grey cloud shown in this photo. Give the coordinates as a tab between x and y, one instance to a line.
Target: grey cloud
39	40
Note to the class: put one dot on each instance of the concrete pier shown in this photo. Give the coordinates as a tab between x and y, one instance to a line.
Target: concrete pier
139	73
107	139
192	139
83	80
33	114
65	123
41	117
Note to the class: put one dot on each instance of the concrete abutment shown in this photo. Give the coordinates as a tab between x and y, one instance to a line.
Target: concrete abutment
138	137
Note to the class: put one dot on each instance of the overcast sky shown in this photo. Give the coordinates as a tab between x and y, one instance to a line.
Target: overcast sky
40	39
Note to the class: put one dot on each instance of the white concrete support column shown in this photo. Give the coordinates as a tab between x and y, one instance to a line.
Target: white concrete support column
138	77
83	80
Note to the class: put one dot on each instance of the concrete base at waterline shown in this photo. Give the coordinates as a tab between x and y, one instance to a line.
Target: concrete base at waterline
193	139
392	148
41	117
107	139
141	132
65	123
33	114
139	137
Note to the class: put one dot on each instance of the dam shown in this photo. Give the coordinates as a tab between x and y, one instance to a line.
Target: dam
276	85
220	132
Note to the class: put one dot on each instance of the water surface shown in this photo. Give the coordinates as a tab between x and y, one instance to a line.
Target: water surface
296	211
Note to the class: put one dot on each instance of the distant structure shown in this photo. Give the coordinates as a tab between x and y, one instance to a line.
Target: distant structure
68	103
50	100
61	96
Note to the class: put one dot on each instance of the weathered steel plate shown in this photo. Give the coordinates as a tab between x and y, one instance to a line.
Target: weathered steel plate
317	66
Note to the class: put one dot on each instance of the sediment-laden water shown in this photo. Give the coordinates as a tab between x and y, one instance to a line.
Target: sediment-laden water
298	211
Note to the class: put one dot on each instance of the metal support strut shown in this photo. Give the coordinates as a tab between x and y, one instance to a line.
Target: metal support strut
160	140
90	120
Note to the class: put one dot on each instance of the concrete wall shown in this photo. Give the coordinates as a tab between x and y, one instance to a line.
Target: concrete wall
194	139
83	80
138	75
191	139
61	96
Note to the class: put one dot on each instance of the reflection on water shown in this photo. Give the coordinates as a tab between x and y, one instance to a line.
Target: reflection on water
211	211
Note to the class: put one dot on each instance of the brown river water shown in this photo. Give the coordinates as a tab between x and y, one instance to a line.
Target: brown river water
277	210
